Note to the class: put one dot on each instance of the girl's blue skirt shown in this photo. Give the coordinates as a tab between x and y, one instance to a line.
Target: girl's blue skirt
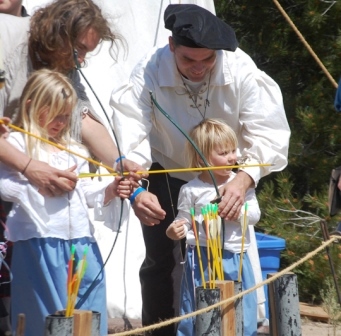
38	289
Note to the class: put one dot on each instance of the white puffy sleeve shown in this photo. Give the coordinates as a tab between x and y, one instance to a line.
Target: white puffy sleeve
253	210
185	203
14	187
265	132
132	116
112	214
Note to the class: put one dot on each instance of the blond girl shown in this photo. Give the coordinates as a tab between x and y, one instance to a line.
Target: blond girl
44	228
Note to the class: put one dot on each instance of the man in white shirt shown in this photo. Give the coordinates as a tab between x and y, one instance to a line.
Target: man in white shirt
200	74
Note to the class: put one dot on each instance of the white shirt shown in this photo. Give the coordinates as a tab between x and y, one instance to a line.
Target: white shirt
239	93
197	194
34	215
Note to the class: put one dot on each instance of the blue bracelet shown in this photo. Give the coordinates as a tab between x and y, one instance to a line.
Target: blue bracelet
135	193
120	158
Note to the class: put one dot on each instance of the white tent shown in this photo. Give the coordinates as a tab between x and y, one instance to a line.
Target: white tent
141	25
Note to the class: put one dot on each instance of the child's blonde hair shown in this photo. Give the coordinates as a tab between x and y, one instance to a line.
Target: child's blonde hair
50	91
207	135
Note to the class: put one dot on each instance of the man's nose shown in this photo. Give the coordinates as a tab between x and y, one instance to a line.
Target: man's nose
81	57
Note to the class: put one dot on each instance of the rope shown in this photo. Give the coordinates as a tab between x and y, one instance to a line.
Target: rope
233	298
301	37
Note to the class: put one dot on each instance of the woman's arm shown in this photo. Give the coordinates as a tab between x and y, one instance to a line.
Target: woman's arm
40	174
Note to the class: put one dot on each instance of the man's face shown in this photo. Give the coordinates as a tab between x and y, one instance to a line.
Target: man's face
12	7
85	43
193	63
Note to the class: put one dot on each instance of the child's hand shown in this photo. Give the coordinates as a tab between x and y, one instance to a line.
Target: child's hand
124	187
176	230
121	187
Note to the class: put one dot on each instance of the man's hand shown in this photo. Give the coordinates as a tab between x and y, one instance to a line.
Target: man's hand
147	209
132	168
233	196
49	180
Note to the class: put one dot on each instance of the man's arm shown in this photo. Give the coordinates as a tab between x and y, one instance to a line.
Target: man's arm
264	138
99	142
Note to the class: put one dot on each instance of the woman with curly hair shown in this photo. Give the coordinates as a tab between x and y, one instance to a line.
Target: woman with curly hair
58	37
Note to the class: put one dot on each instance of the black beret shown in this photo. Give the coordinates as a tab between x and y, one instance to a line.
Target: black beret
196	27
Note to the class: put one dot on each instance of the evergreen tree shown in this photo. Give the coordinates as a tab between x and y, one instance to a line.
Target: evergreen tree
295	201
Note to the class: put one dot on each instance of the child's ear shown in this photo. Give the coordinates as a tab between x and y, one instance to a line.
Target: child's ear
199	159
28	103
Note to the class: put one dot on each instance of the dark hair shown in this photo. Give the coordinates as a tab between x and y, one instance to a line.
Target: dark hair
55	28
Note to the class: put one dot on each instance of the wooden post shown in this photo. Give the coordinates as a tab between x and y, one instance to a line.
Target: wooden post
21	325
82	324
238	307
284	306
227	310
208	323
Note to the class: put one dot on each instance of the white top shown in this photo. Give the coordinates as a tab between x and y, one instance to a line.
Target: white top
196	194
239	93
33	215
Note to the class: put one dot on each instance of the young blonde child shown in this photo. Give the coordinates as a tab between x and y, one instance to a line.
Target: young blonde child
218	143
43	229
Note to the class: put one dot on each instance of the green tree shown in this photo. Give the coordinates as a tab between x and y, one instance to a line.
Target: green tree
293	202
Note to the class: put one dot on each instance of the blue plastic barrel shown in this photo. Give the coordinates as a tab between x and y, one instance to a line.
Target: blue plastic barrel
269	249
